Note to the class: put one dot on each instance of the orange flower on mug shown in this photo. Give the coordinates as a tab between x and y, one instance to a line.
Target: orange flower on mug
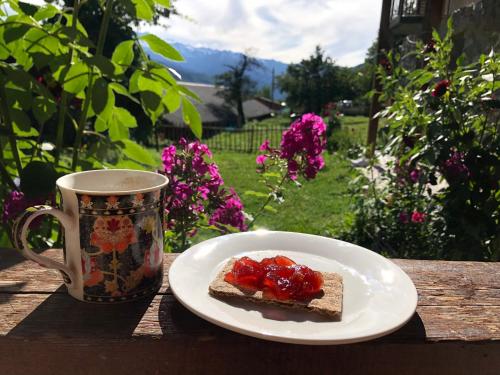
86	202
113	233
112	202
92	275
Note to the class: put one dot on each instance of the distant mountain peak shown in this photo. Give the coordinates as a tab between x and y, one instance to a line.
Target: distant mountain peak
202	64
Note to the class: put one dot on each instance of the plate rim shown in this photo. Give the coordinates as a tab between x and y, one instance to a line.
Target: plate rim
289	340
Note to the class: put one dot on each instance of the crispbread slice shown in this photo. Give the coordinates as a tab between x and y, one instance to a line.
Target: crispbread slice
330	303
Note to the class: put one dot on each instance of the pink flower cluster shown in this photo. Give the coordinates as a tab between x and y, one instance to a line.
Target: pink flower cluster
301	147
196	189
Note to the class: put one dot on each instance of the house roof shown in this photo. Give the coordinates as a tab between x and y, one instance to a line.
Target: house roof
214	110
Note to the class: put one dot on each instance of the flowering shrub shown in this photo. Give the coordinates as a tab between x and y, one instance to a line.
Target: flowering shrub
195	196
443	128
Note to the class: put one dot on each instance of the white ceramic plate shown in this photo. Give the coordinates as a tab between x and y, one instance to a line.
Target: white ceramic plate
378	296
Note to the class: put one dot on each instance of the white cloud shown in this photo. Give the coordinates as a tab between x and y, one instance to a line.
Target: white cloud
286	30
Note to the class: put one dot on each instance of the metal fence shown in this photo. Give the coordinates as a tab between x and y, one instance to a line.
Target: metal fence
246	139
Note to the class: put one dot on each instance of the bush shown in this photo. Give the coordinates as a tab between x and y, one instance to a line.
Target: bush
442	125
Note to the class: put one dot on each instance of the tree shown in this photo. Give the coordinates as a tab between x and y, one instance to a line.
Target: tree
310	84
235	85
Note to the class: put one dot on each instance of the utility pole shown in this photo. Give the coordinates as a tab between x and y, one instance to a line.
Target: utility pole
272	85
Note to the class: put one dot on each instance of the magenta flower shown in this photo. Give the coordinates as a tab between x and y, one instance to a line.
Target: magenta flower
230	213
168	158
265	146
417	217
261	159
440	88
196	189
414	175
303	144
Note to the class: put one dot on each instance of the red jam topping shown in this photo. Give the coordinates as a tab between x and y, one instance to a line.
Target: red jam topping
278	278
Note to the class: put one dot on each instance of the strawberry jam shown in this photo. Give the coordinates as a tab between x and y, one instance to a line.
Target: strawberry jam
279	278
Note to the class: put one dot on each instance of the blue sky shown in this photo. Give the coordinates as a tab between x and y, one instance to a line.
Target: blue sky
285	30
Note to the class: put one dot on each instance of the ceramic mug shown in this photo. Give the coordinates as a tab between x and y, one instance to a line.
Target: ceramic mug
113	234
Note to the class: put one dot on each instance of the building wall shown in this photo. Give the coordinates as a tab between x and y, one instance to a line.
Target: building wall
476	26
453	5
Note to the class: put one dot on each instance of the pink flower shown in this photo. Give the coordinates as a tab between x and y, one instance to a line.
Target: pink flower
417	217
168	157
414	175
230	213
265	146
261	159
305	140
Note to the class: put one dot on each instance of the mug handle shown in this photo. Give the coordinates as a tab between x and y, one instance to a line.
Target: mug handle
20	232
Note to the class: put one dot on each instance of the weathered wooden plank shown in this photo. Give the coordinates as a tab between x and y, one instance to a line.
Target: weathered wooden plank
464	277
148	357
56	316
254	357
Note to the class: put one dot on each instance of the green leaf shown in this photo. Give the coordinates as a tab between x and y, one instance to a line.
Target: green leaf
46	12
77	78
43	109
171	100
163	75
123	54
137	153
103	63
191	117
119	89
133	82
117	132
38	179
21	121
144	9
101	124
122	116
37	40
147	84
163	3
150	101
190	93
255	194
103	98
271	209
163	48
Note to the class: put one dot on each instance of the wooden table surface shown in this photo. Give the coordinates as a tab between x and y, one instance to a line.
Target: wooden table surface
456	330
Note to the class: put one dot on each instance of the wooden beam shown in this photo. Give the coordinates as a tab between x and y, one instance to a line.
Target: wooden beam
383	45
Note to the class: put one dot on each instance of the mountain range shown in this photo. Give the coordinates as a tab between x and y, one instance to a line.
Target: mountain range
203	64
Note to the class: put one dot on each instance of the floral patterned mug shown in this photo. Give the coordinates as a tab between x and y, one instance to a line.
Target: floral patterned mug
113	234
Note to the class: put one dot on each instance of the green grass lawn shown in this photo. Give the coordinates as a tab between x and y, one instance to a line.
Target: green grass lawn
317	206
309	209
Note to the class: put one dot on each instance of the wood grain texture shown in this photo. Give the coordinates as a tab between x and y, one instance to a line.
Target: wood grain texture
456	329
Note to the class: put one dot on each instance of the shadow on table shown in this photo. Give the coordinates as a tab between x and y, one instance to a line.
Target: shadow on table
60	315
176	319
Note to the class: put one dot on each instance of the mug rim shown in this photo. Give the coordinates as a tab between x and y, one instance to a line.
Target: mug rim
60	182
